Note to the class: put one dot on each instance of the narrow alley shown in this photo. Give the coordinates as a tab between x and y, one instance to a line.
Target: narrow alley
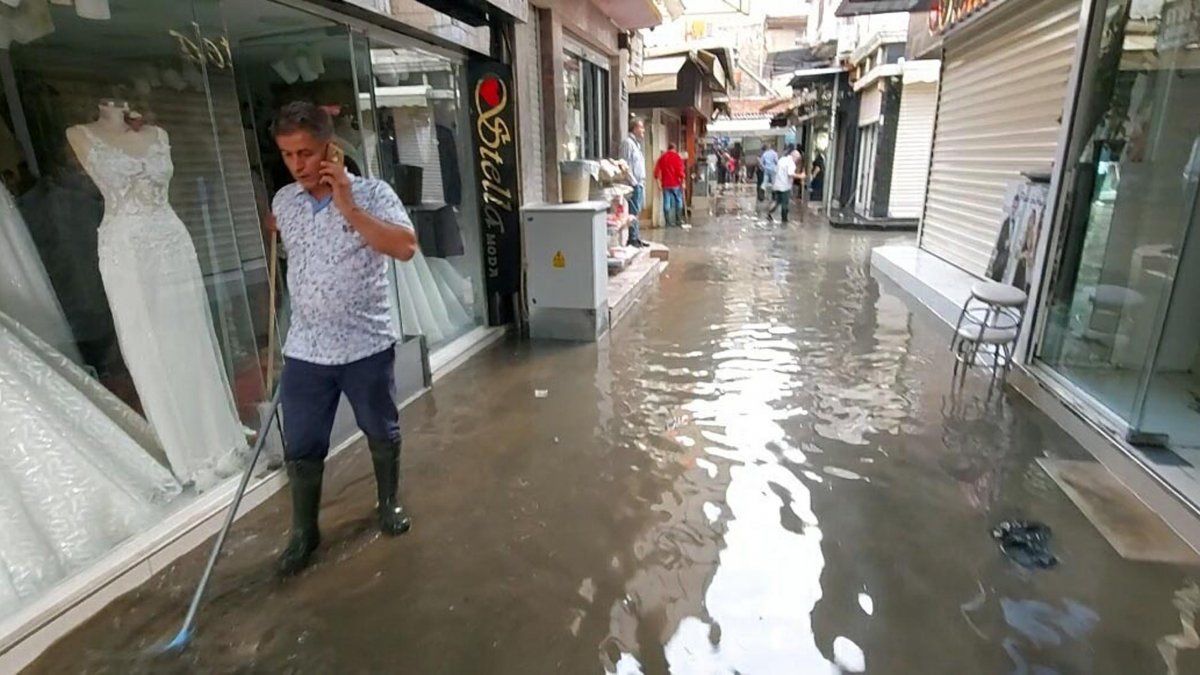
763	469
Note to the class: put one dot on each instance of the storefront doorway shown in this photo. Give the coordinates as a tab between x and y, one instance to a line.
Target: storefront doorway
1122	325
396	105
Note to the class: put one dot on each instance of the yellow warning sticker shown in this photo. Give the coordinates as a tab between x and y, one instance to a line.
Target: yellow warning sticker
560	260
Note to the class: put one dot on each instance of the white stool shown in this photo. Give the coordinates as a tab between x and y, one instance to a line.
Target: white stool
988	325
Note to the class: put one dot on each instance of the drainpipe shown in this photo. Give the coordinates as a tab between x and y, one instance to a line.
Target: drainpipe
831	159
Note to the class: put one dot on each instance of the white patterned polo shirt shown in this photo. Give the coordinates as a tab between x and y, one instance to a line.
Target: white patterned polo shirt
338	284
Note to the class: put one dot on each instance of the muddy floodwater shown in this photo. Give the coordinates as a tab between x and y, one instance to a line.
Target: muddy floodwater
763	469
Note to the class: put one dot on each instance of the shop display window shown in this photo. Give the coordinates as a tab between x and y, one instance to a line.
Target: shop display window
138	342
423	151
1120	325
131	276
586	87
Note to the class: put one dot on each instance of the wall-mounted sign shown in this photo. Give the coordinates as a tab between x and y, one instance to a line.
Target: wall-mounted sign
199	49
944	14
493	126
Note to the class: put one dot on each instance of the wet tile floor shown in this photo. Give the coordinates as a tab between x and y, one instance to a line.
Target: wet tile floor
763	469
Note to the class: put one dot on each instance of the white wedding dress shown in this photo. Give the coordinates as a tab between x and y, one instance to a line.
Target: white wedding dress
160	309
26	293
75	475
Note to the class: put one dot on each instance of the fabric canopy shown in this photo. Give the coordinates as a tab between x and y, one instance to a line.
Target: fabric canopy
857	7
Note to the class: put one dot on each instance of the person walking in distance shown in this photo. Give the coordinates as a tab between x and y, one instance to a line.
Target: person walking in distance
670	172
785	172
768	161
632	153
339	231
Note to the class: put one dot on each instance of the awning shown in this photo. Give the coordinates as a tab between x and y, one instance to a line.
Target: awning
886	70
809	75
631	14
755	126
715	46
661	74
470	12
858	7
711	65
909	71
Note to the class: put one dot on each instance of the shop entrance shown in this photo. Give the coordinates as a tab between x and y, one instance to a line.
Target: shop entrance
1122	323
397	116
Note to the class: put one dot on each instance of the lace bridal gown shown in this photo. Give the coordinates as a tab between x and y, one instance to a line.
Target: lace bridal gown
160	309
74	482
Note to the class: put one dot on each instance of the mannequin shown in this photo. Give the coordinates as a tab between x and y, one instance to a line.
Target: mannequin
156	292
112	128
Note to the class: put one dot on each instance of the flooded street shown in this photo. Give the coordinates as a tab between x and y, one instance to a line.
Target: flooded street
763	469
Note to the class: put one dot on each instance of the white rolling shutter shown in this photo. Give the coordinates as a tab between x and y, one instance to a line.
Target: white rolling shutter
1003	87
914	138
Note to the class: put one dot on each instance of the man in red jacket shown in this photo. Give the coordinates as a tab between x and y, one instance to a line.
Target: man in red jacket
669	171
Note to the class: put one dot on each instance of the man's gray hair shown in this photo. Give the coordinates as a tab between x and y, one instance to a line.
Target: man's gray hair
633	122
303	116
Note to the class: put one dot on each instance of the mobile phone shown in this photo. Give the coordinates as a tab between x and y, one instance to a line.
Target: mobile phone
334	154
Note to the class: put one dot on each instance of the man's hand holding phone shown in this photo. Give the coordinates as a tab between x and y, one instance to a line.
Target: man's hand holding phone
333	174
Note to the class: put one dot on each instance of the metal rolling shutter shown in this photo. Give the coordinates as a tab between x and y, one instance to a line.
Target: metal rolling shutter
1003	87
914	136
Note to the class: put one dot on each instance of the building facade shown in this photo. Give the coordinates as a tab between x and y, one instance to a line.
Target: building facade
1090	100
144	300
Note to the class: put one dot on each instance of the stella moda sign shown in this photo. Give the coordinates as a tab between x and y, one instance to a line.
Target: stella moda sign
493	123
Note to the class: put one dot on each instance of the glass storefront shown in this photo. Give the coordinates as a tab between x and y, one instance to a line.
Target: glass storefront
585	84
1120	324
397	115
424	153
136	170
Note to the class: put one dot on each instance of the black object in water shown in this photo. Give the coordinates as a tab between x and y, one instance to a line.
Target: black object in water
1026	543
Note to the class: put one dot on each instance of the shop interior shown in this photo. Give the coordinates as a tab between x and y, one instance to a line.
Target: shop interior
137	340
398	118
1122	325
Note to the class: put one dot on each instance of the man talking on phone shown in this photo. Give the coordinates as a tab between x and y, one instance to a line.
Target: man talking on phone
339	230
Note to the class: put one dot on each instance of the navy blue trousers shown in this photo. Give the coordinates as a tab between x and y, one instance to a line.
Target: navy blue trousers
310	397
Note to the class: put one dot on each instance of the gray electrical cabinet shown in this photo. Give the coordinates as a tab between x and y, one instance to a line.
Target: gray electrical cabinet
566	255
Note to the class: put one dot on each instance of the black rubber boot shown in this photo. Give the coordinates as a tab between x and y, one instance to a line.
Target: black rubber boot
305	479
385	456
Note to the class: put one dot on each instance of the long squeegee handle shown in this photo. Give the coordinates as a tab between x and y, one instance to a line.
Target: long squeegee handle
189	621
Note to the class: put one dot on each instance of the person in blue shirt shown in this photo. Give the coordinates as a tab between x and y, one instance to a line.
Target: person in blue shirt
768	161
339	231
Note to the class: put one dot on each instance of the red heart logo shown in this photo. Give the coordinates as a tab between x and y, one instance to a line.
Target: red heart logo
489	91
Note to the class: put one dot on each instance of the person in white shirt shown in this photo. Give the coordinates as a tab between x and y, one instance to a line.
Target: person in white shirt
632	153
785	172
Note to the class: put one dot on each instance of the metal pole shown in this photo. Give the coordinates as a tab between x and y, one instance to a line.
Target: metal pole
831	160
187	630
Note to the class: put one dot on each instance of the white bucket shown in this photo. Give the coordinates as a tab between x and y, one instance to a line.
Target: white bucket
576	181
